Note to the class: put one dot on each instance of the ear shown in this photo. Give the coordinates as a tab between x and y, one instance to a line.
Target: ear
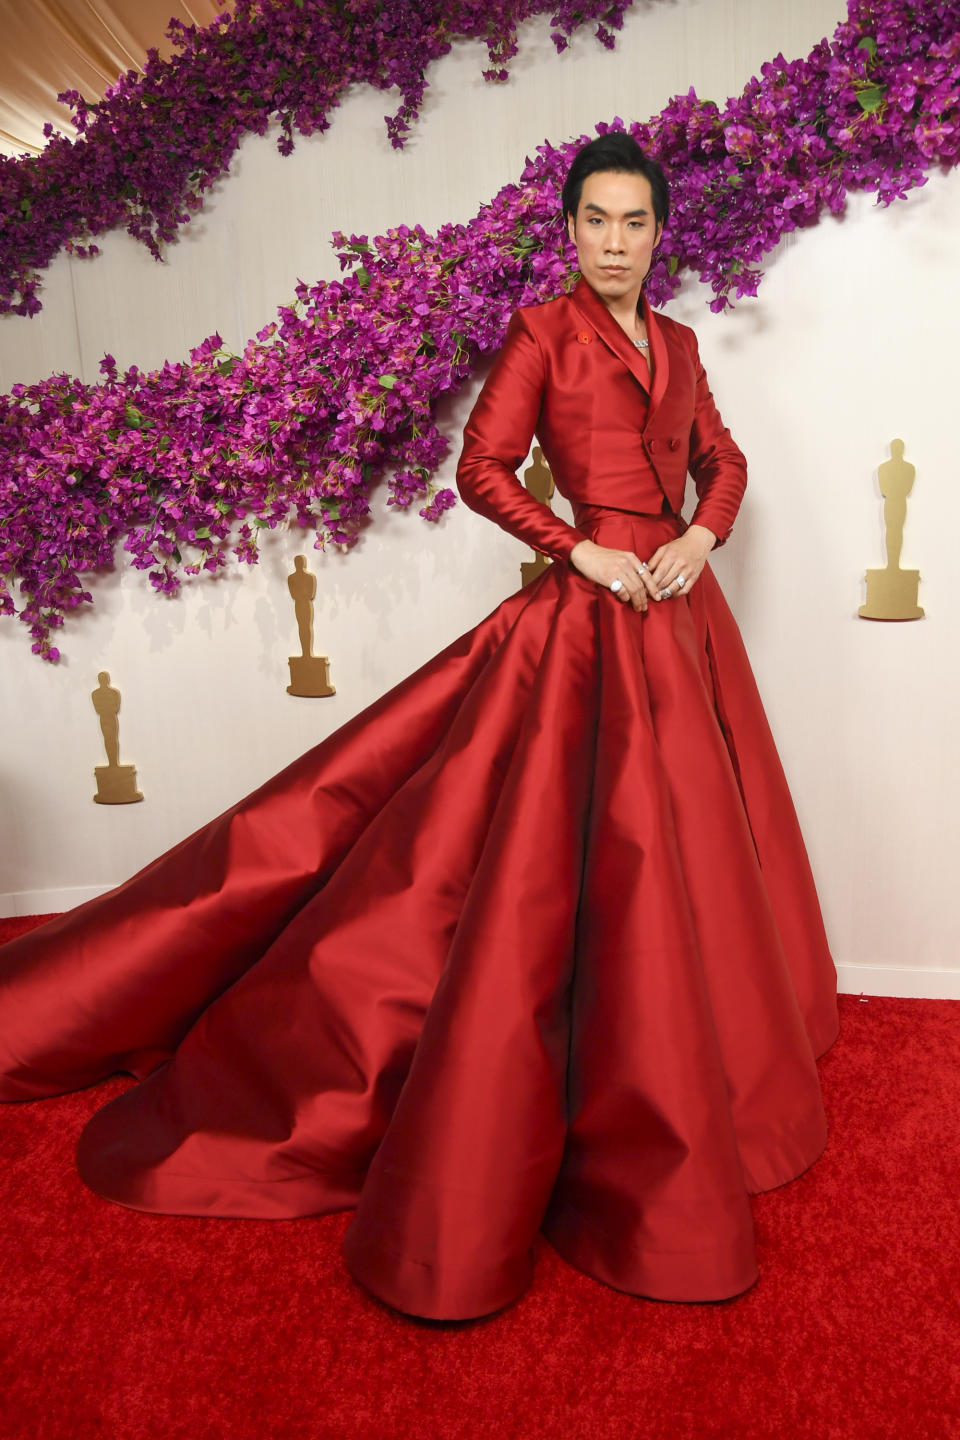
656	239
571	228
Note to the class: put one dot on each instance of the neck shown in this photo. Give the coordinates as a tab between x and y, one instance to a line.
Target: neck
624	307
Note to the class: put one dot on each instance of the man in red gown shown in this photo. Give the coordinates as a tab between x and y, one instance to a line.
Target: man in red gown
529	944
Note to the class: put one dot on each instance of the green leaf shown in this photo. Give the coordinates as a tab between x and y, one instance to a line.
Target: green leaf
362	274
203	533
227	367
871	98
224	507
388	381
870	45
673	264
25	208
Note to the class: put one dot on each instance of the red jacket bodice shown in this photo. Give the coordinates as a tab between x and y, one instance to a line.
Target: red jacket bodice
568	374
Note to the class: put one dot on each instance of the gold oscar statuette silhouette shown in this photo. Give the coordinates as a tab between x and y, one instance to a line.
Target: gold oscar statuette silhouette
116	783
892	593
309	673
539	482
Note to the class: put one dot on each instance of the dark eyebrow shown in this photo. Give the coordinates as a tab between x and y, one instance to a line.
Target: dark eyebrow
627	214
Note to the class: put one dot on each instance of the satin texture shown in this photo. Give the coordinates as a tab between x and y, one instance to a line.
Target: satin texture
610	434
531	943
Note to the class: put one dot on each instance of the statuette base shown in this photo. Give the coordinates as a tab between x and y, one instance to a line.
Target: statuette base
892	595
310	676
116	785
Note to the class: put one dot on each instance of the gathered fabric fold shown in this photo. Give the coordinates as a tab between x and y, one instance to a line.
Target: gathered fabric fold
529	944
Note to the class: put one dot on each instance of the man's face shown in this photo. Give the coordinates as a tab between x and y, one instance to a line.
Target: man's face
615	232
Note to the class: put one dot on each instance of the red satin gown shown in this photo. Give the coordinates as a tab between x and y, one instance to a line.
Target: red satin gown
531	943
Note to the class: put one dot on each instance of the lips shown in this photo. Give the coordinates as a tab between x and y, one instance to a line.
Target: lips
614	269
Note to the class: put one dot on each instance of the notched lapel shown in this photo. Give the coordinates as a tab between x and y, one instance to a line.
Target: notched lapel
592	309
658	346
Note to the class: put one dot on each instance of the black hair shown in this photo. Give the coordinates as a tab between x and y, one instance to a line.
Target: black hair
620	152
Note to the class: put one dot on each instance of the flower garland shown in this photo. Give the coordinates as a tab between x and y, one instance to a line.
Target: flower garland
341	389
148	152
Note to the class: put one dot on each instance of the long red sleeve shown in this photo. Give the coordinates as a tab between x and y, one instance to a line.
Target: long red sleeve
496	441
717	463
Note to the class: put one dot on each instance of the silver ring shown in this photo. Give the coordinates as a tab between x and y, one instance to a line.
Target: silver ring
643	566
680	582
666	591
616	585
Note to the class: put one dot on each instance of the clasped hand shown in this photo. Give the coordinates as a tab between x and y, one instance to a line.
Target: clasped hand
684	556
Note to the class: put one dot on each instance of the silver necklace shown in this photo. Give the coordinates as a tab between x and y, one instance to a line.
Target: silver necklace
641	344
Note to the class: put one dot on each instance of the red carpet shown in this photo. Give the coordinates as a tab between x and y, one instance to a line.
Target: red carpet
116	1325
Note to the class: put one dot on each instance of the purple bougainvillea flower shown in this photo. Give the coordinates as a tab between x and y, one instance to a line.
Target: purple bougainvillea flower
185	465
147	153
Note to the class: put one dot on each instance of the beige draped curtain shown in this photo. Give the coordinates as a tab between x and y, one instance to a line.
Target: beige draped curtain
47	46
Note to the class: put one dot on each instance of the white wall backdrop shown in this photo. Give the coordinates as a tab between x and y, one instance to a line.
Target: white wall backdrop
848	346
